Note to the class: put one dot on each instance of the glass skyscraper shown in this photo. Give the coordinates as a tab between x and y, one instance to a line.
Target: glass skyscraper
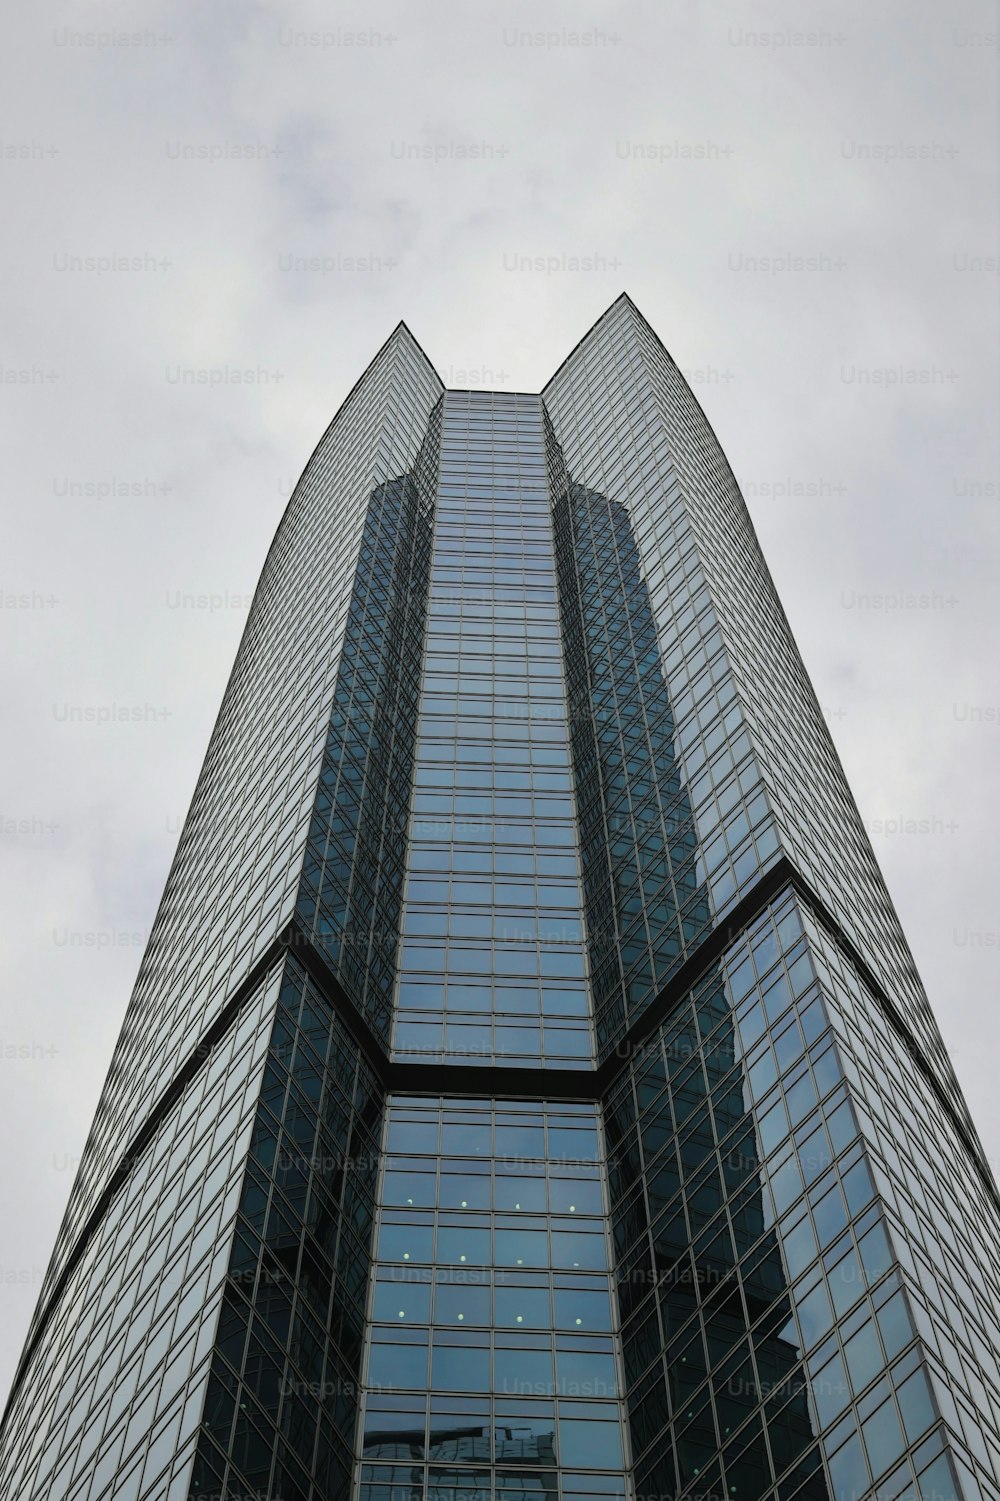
527	1090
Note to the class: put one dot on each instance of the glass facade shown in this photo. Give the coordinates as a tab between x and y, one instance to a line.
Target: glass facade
492	962
492	1341
527	1090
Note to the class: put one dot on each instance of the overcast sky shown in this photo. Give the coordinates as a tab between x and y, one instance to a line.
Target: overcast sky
804	204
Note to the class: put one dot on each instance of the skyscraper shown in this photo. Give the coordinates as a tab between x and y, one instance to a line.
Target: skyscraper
527	1089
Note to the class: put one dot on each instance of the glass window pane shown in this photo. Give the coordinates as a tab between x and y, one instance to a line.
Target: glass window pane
463	1245
522	1248
521	1307
461	1302
402	1301
460	1368
586	1442
393	1366
579	1309
522	1373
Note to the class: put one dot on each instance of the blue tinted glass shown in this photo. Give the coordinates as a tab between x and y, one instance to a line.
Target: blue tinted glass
522	1373
521	1307
460	1368
847	1283
459	1139
586	1442
858	1187
399	1301
815	1315
915	1404
883	1438
831	1391
799	1246
391	1366
936	1483
525	1436
462	1244
580	1309
849	1472
409	1242
412	1136
576	1196
830	1216
461	1302
464	1191
409	1188
584	1373
521	1248
575	1250
864	1356
572	1145
520	1193
894	1325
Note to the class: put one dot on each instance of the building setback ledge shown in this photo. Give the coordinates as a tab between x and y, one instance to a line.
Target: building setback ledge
479	1080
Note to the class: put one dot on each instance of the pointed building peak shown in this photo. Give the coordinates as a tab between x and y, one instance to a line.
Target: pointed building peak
623	300
403	330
